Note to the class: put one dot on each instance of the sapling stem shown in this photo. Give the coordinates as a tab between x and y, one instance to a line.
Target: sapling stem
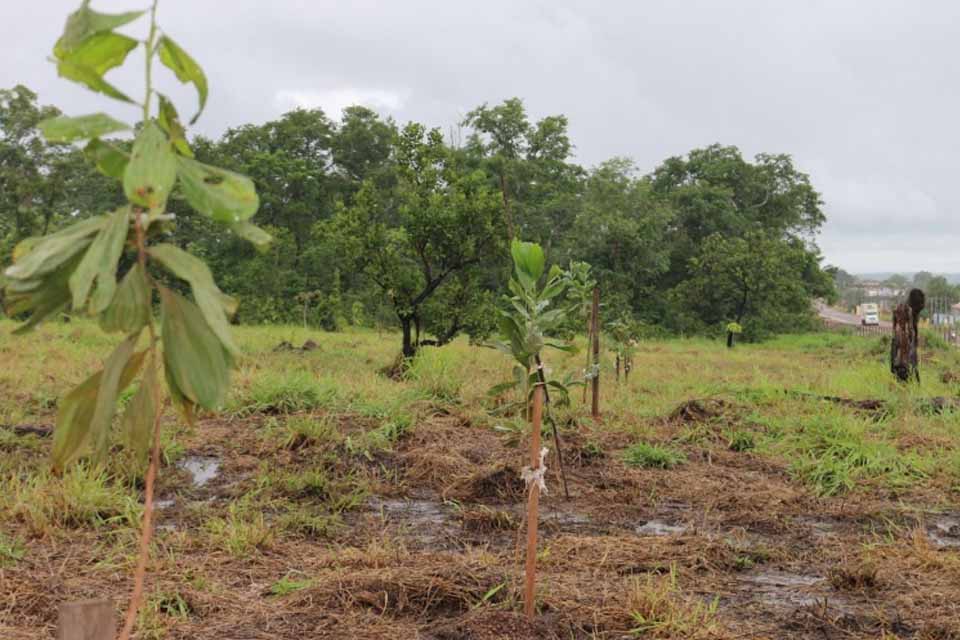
146	525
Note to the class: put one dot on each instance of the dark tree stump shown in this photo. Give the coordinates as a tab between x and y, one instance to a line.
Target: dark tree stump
904	343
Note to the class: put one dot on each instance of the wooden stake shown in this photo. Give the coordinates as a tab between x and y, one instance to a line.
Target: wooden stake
87	620
533	508
595	330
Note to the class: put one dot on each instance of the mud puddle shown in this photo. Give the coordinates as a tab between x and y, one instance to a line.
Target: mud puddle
782	588
944	531
786	590
202	469
658	527
429	521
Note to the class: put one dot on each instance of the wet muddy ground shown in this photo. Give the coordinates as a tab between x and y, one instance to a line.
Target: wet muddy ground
729	545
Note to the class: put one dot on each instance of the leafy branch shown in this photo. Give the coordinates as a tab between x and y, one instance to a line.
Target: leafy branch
81	268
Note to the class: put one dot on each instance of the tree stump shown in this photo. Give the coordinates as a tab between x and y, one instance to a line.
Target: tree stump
904	343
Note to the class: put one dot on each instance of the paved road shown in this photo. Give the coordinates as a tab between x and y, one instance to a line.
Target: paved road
842	317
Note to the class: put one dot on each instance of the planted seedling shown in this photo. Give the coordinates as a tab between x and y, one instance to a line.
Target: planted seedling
579	289
104	266
525	328
734	329
623	338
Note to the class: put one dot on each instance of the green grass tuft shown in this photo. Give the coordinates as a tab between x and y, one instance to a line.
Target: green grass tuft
653	456
287	392
833	452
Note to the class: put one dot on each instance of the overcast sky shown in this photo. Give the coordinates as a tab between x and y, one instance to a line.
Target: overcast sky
865	95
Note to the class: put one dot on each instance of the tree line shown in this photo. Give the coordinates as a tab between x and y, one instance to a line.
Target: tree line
377	223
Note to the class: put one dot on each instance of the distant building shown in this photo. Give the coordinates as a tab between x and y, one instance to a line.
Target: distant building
886	297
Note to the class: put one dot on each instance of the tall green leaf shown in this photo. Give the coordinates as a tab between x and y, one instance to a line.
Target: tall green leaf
65	129
88	63
252	233
193	355
85	23
214	304
529	262
90	78
49	253
169	121
130	309
186	69
186	406
43	298
99	264
152	169
110	160
219	194
139	417
85	414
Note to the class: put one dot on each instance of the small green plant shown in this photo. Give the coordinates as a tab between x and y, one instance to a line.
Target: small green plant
11	550
243	530
525	327
624	334
653	456
741	441
288	584
160	609
734	329
106	266
301	521
310	431
396	426
579	289
659	609
313	483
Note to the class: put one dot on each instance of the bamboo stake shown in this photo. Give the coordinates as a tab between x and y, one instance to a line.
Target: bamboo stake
595	330
556	432
533	508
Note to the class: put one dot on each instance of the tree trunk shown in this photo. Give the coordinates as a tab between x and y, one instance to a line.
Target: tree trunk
507	215
409	348
729	339
904	343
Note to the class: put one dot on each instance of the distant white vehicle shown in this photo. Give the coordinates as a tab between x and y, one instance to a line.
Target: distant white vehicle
869	314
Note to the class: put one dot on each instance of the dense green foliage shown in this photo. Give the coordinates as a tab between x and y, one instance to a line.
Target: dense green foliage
388	225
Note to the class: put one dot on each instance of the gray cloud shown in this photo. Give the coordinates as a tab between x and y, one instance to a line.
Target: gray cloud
862	94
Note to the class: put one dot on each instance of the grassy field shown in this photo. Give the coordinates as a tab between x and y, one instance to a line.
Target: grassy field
783	490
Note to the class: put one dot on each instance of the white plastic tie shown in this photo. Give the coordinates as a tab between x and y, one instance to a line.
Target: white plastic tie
537	476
